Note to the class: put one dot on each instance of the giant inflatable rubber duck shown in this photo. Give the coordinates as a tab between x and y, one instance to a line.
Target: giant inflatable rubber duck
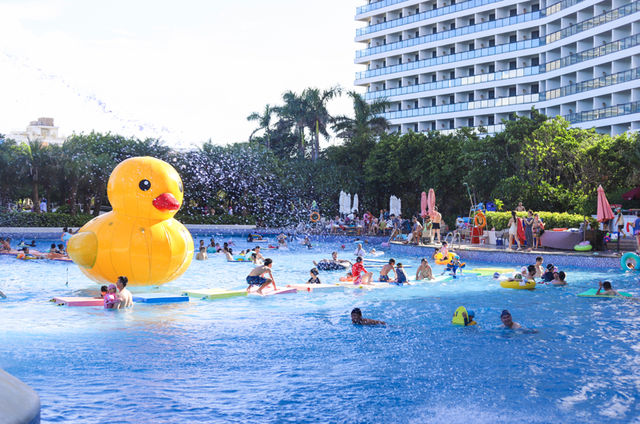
139	239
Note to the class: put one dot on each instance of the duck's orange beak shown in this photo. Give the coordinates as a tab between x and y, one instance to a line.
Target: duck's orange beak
166	202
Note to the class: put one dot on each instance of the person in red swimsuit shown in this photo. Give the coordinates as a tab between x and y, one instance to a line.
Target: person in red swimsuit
362	276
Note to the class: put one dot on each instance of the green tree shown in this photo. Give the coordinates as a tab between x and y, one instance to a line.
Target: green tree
264	123
366	121
317	115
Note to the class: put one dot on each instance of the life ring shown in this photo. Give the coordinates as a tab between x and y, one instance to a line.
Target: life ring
440	260
630	261
314	217
583	247
518	284
480	220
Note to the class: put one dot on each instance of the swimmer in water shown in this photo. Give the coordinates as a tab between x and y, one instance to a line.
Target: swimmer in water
507	321
359	251
356	318
559	279
605	289
313	272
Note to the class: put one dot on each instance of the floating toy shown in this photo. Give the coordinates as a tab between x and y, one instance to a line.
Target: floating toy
271	292
348	279
592	293
314	217
212	294
458	317
78	301
583	246
630	261
440	260
159	298
139	239
518	284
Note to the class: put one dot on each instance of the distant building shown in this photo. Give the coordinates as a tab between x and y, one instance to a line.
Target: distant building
448	64
43	129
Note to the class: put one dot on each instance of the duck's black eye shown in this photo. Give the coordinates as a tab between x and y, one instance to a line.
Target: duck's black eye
180	186
144	185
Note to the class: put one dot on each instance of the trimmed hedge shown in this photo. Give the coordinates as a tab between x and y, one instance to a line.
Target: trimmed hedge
49	219
500	220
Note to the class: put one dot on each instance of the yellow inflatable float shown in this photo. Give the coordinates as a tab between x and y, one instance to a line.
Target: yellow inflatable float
441	260
139	239
518	284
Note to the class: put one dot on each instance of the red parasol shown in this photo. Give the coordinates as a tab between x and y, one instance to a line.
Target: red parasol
431	202
604	209
423	205
632	194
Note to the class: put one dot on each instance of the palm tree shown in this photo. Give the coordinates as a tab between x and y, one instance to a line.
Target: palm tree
294	113
318	116
366	120
264	123
35	155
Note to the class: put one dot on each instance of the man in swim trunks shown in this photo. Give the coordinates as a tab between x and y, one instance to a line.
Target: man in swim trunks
424	270
436	219
417	231
359	272
356	318
386	269
507	321
256	276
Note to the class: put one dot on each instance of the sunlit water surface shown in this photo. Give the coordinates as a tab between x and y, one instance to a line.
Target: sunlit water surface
298	358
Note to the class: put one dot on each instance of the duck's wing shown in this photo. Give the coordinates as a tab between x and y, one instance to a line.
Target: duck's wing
83	248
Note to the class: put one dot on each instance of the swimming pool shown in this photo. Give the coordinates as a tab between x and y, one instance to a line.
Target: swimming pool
297	358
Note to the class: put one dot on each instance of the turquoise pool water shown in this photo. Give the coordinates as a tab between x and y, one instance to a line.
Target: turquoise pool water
297	358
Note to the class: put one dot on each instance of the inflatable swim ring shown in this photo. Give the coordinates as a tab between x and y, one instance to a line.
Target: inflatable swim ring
584	246
314	217
518	285
440	260
347	279
480	220
630	261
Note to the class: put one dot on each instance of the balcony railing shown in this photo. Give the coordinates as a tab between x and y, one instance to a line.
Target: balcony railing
519	45
469	29
567	90
603	113
376	5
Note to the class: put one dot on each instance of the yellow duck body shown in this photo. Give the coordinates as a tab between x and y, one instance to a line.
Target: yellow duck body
139	239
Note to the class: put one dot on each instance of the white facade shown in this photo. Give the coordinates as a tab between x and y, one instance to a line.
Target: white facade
43	129
447	64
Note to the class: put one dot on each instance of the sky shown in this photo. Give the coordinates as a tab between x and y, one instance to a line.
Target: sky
184	72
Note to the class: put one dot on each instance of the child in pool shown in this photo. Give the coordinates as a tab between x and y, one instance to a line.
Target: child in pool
314	276
605	289
401	277
103	291
558	279
111	297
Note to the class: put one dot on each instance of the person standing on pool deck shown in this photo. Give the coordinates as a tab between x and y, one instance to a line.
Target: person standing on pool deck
256	276
386	269
359	272
507	321
125	298
436	219
356	318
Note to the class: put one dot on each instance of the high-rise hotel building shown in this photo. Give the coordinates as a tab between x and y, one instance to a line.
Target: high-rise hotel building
446	64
